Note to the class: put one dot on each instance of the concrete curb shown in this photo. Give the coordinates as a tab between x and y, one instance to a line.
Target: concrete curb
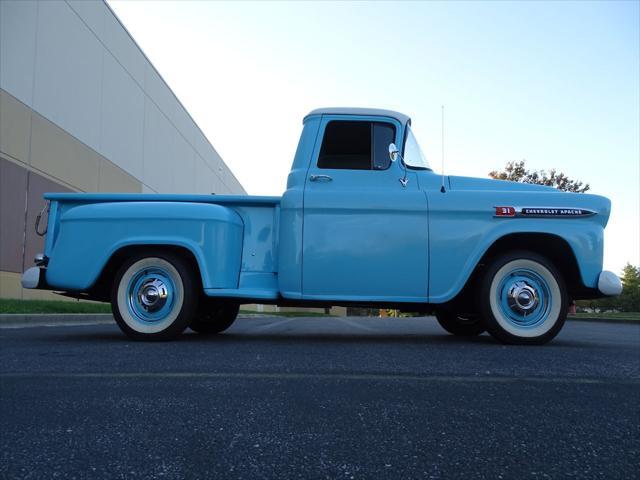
603	320
12	320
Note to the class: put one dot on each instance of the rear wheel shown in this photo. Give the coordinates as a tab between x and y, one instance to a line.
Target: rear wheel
214	316
154	296
523	299
460	325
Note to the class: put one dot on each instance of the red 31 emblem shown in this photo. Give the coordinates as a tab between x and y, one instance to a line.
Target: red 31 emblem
505	212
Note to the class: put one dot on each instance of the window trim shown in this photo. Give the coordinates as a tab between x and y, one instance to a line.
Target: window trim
404	144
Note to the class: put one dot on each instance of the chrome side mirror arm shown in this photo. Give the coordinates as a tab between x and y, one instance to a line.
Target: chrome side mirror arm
394	153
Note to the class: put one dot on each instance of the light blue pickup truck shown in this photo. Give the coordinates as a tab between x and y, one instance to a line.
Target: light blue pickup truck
364	221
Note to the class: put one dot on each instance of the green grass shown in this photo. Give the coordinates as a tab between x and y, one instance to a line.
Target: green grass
628	316
59	306
51	306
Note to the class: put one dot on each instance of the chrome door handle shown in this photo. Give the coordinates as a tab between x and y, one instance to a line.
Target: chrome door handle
320	178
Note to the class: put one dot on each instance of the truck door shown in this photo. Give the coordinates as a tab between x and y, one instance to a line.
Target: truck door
365	236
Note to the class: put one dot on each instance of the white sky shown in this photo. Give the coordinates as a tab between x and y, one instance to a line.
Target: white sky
555	83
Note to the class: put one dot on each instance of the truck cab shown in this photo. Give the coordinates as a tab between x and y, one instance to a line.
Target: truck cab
351	206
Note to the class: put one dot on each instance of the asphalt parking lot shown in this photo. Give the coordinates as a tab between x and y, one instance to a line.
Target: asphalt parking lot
319	398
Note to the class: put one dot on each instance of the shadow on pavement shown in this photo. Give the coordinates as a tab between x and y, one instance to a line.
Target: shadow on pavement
302	338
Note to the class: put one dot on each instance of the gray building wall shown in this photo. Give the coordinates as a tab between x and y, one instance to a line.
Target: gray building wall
83	109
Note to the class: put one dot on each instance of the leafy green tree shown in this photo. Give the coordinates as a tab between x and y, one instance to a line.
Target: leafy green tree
630	298
517	172
631	276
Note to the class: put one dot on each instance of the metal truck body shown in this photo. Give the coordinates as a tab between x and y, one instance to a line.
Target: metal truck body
395	234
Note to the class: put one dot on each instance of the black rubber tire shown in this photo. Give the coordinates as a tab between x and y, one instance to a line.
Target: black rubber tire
185	312
459	325
559	300
214	317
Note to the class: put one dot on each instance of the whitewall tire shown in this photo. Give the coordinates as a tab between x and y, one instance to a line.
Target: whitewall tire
523	299
153	296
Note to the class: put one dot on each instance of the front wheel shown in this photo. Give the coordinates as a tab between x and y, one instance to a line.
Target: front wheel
523	299
154	296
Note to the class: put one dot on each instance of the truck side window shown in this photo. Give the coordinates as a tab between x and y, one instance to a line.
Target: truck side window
356	145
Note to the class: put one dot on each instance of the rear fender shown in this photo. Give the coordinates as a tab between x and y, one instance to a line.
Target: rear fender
89	235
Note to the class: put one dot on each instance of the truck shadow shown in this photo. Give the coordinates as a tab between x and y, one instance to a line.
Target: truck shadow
372	339
327	337
293	336
312	332
295	339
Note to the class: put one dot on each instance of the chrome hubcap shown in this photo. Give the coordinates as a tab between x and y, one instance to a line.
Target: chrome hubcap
152	294
522	297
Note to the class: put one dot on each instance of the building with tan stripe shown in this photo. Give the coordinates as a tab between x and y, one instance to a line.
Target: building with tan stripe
82	109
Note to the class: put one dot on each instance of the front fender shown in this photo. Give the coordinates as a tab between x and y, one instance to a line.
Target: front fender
463	228
90	234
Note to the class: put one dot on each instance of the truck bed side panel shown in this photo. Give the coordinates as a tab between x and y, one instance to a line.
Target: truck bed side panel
259	266
86	236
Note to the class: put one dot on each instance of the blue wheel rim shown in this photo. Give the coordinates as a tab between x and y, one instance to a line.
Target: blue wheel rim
151	295
524	298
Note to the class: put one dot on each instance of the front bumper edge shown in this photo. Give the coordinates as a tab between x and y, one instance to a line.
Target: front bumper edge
609	284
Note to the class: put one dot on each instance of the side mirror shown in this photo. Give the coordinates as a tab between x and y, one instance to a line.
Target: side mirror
393	152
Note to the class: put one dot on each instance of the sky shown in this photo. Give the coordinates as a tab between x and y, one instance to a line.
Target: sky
554	83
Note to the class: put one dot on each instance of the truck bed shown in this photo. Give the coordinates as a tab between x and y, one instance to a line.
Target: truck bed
216	248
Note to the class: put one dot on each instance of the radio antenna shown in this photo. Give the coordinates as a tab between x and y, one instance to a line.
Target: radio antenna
442	189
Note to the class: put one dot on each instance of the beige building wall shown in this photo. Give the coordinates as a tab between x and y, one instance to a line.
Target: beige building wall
37	156
82	109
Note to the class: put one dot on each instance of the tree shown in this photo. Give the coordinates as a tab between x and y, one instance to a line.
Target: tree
629	300
517	172
630	276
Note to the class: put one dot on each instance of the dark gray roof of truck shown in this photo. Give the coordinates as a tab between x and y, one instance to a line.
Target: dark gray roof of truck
378	112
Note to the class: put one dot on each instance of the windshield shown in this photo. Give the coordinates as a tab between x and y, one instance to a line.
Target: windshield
413	156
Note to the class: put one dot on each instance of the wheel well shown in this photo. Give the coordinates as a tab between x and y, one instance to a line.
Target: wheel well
102	287
554	248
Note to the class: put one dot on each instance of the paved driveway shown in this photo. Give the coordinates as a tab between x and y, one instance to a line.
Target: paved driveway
319	398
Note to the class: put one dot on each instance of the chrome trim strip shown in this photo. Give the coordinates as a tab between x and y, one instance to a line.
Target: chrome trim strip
548	212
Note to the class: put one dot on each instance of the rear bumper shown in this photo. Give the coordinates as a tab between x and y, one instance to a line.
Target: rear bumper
609	284
34	278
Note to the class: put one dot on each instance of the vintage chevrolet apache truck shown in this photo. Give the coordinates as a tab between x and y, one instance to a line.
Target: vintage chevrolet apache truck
354	227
